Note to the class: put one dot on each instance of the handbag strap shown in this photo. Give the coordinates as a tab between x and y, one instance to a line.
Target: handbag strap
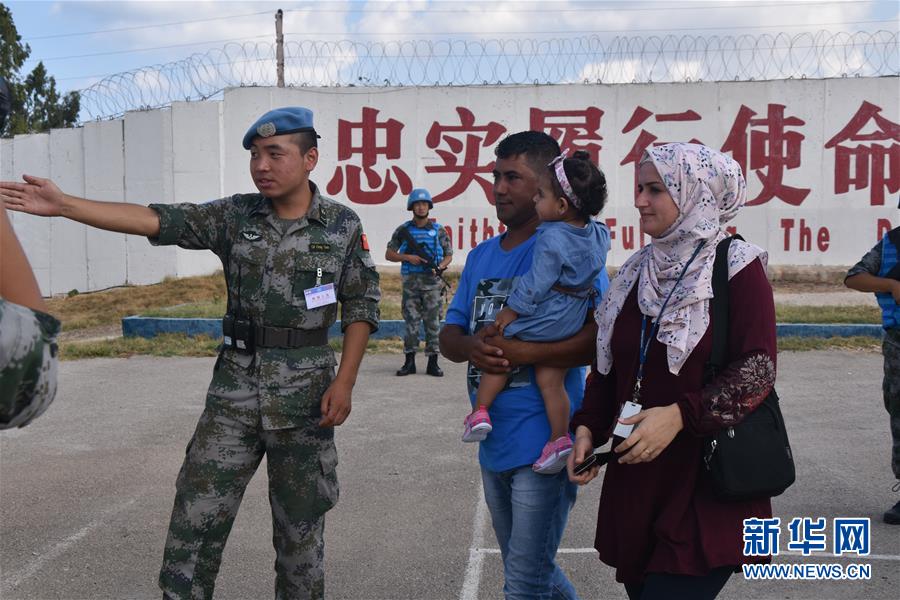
719	305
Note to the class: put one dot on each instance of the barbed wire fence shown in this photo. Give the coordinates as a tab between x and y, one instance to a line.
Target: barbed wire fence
589	59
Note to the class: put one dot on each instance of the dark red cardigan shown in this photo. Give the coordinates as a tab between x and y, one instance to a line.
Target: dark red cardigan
661	516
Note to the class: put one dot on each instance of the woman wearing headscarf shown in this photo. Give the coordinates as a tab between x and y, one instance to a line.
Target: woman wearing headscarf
659	523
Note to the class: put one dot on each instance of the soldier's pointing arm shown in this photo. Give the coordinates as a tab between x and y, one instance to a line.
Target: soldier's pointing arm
38	196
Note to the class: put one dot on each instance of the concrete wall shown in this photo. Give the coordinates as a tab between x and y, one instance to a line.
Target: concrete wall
442	139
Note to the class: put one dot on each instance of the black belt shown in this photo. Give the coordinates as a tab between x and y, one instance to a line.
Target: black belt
288	337
582	293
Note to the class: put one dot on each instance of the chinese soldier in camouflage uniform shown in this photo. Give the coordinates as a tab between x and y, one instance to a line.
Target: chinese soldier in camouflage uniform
425	251
290	255
879	271
28	361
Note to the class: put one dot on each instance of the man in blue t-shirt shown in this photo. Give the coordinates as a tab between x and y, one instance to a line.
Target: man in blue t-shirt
528	510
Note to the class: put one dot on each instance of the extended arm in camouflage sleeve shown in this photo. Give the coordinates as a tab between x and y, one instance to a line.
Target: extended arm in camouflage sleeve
194	226
359	293
28	364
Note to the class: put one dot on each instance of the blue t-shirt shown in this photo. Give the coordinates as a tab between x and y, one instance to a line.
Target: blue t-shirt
520	421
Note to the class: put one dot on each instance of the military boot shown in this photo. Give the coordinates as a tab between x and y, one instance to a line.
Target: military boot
433	368
892	517
409	367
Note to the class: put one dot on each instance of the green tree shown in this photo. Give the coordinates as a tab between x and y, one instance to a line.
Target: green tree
36	104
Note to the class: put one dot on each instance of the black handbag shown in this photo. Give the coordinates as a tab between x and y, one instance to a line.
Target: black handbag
752	459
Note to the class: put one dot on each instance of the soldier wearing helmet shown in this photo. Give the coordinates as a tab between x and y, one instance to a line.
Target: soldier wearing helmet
423	247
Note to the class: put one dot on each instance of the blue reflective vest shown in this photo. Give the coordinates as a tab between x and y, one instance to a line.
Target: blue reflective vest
426	237
890	310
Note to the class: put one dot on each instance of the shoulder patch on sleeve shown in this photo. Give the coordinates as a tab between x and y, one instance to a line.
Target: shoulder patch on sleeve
364	242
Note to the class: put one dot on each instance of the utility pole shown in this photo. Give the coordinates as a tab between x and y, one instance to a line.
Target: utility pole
279	48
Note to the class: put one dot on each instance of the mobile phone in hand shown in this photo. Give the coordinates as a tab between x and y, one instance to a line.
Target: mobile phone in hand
597	459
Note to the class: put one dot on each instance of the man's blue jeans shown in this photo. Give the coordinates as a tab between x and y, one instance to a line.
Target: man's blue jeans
529	514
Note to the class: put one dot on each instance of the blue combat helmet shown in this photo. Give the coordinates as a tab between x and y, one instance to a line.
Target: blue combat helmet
419	195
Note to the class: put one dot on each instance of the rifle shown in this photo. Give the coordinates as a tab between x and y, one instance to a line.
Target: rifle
420	251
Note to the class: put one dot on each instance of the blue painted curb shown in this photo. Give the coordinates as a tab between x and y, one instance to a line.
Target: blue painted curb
827	330
152	326
149	327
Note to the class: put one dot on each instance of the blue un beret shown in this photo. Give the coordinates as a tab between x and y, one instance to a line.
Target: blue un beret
280	121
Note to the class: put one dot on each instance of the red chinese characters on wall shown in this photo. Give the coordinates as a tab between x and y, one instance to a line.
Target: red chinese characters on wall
767	147
645	138
875	161
573	129
459	147
379	189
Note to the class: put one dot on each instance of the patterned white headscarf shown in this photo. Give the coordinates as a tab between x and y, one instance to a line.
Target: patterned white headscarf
708	188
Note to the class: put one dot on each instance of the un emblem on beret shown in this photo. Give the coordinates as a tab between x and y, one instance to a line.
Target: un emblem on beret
266	129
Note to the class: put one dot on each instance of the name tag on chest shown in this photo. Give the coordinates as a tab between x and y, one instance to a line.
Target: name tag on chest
321	295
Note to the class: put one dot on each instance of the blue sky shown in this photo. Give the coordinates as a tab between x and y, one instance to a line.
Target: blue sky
83	42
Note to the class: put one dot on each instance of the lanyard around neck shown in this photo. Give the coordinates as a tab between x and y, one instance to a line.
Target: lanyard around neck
654	327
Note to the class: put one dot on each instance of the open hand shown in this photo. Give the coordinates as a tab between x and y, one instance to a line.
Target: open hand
37	196
657	428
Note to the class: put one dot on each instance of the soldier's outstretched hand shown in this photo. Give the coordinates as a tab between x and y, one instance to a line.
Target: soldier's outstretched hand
37	196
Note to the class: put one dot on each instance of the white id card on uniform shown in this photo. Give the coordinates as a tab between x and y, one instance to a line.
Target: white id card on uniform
321	295
629	410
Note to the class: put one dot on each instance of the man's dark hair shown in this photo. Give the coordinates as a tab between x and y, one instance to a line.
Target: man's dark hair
5	102
305	140
537	147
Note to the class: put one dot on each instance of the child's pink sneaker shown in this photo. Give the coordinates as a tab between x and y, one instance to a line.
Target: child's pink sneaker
553	458
478	425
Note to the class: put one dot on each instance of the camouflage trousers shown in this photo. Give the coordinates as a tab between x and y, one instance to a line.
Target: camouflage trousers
891	386
422	302
221	458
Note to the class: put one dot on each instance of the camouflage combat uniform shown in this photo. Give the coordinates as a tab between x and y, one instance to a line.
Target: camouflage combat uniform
267	403
872	263
423	293
28	363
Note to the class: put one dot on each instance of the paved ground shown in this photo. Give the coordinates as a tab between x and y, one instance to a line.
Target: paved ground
85	492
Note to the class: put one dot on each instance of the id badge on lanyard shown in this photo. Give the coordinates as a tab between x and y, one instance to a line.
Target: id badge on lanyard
633	406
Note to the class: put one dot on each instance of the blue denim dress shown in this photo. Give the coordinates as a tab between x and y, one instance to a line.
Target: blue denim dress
566	256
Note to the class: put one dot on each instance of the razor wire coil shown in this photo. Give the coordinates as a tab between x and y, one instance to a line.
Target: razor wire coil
459	62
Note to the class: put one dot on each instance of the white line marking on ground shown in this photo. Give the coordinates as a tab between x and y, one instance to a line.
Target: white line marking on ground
818	555
472	579
16	578
560	551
